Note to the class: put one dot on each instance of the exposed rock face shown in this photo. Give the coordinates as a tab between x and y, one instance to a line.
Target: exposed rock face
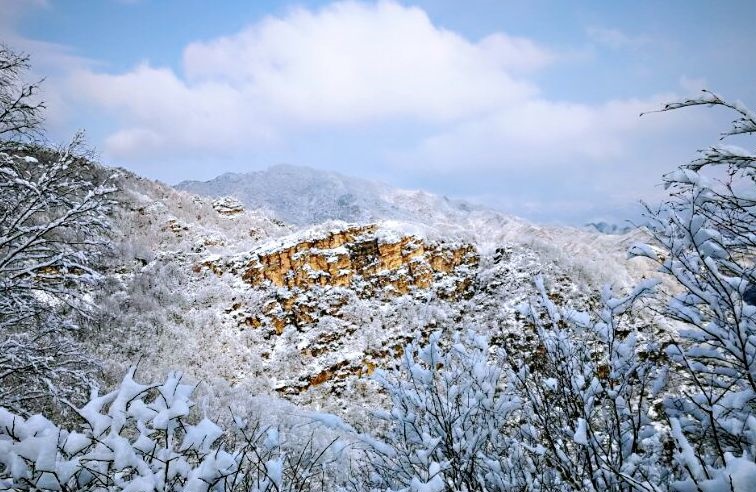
304	281
363	259
342	258
228	206
176	227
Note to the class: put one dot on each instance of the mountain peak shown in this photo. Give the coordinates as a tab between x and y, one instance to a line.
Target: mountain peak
304	196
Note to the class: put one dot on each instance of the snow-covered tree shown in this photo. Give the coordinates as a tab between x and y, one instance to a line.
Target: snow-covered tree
53	215
20	112
447	427
591	392
705	241
588	392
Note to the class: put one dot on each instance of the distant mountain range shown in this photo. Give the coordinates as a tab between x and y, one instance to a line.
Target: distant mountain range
302	196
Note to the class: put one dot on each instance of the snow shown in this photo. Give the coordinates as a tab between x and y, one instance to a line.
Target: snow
551	383
331	421
306	196
642	249
580	436
201	436
274	470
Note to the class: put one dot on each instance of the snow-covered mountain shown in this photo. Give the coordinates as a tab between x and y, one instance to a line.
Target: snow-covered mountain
284	324
229	291
305	196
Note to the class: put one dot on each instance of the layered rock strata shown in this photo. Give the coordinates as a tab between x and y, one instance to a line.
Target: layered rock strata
302	282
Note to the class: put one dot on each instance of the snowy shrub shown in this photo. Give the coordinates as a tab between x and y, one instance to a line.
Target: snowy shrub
588	391
142	438
705	241
446	429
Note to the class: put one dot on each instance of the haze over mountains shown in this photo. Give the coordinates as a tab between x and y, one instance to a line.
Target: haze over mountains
302	195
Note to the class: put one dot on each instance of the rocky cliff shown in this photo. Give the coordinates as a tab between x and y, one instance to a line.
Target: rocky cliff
369	261
299	282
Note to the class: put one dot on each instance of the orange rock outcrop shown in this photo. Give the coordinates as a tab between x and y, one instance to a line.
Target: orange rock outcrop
306	279
370	262
339	258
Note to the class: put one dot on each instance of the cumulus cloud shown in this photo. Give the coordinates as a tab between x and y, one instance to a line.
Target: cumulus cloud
159	112
347	63
351	62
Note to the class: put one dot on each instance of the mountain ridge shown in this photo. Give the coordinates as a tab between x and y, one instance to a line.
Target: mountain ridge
302	195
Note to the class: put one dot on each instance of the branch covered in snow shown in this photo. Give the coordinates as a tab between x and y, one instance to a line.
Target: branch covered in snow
54	218
588	392
447	428
143	437
706	237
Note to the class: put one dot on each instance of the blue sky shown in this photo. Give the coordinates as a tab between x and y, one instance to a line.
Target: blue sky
527	106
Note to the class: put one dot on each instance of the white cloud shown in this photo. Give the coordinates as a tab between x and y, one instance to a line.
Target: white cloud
352	62
542	133
472	109
348	63
159	113
356	64
563	161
